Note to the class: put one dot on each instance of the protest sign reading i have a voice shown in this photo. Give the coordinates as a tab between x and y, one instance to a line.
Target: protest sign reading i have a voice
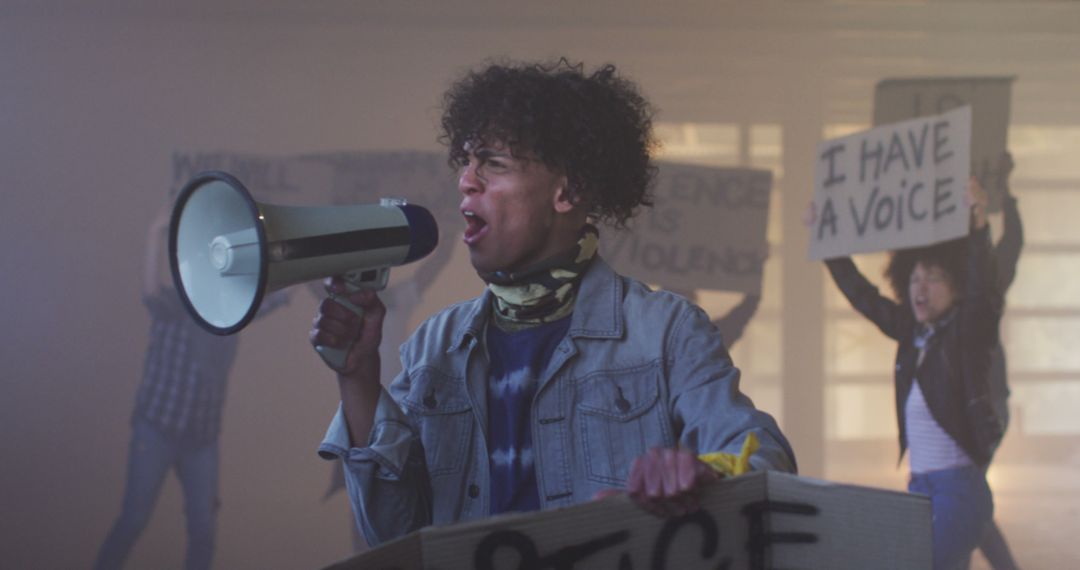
891	187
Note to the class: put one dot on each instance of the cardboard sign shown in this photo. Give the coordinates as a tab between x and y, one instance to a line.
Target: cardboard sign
268	178
895	186
756	521
989	98
358	177
705	231
422	178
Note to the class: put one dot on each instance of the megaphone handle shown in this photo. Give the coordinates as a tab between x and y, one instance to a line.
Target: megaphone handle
335	357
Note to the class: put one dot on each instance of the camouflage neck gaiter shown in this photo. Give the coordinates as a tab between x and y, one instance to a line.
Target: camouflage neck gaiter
546	291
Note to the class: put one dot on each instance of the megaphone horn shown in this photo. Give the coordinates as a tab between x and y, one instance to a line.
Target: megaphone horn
226	250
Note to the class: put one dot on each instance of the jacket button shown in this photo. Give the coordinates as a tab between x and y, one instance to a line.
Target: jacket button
474	491
622	404
429	401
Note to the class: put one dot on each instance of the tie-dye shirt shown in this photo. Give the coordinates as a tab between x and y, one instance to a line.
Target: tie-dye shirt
517	360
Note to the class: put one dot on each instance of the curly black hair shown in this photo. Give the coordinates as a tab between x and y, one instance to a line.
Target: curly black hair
950	256
595	128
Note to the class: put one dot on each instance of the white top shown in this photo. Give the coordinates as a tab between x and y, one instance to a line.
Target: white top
930	448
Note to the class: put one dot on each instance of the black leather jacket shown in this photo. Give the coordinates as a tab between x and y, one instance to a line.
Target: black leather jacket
955	370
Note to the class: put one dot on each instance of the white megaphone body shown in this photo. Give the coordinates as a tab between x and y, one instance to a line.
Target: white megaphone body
226	250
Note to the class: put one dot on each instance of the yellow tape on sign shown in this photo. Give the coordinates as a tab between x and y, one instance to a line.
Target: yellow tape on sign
730	464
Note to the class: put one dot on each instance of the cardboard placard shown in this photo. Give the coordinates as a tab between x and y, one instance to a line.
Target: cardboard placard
890	187
898	99
354	177
268	178
705	231
755	521
420	177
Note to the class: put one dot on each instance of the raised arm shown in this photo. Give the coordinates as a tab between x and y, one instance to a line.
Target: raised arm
382	457
982	298
1012	234
156	274
982	306
863	295
358	380
159	294
733	324
865	298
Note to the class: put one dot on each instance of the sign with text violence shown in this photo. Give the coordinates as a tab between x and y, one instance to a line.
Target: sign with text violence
890	187
705	231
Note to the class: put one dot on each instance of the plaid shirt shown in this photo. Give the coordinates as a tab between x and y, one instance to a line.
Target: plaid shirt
183	387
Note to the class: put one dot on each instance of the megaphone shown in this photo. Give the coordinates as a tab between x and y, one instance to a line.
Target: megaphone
226	251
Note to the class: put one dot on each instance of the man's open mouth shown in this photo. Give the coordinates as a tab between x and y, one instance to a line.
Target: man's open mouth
474	226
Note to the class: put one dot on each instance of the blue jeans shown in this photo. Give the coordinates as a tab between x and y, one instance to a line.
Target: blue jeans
962	506
150	458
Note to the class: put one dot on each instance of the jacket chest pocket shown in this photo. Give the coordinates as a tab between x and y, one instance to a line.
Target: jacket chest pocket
618	419
440	409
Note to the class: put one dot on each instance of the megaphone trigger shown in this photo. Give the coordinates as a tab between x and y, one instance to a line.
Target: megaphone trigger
374	279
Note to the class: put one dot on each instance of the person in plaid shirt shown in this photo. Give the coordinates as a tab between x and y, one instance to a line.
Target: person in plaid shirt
177	417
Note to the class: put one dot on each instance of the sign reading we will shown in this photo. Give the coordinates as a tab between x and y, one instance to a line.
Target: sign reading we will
335	178
894	186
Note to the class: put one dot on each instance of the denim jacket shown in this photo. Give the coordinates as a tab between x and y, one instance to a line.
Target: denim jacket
638	369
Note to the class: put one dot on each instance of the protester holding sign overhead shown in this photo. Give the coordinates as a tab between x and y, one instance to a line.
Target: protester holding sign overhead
945	320
563	378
